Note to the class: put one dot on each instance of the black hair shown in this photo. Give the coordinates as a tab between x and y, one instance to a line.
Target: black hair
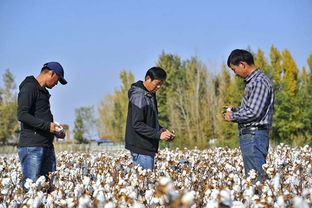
45	69
156	73
239	55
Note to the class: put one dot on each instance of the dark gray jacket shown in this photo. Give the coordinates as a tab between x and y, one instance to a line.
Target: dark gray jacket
143	129
34	114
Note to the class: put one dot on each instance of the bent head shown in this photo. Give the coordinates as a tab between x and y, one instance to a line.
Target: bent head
154	79
241	62
53	73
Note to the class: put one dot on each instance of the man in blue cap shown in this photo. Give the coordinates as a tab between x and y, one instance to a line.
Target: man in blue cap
35	148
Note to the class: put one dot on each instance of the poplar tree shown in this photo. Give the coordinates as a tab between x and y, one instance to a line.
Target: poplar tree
85	124
79	129
113	110
276	64
287	122
120	108
172	64
305	92
262	63
8	109
229	94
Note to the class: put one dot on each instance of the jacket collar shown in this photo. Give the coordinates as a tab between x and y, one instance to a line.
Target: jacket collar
252	75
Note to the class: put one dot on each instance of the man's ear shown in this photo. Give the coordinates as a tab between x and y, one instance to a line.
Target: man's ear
52	73
148	78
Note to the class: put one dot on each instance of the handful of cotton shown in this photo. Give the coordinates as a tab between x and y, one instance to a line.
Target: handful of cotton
59	130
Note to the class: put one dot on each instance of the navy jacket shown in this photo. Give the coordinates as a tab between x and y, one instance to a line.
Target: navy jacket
34	114
143	129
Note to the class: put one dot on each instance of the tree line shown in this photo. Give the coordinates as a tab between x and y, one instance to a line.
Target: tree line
192	99
191	103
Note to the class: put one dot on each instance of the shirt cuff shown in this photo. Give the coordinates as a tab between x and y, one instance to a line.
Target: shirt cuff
233	116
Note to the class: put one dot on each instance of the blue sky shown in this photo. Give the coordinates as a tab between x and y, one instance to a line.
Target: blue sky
95	40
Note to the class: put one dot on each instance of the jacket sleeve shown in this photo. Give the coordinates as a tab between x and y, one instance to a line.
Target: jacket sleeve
138	118
26	99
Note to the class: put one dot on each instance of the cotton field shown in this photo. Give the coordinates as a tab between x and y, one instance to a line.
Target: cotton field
182	178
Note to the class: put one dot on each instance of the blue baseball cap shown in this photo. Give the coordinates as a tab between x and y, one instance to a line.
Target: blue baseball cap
55	66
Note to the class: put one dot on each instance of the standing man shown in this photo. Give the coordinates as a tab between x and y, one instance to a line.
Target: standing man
254	116
35	148
143	131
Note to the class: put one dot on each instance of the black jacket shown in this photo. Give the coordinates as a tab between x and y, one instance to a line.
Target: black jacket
143	129
34	114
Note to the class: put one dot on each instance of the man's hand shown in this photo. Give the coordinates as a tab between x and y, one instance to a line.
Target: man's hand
226	116
166	134
60	134
57	130
53	127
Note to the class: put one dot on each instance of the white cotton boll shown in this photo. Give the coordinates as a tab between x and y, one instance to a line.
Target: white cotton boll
70	202
228	167
148	195
270	200
109	205
155	200
78	190
5	190
299	202
28	183
14	177
40	181
214	194
270	171
137	205
280	202
252	174
226	197
62	202
164	181
306	192
188	198
86	180
238	204
237	188
58	128
121	182
30	202
132	195
109	196
11	205
208	192
212	204
276	181
49	201
255	198
248	193
101	199
5	181
85	201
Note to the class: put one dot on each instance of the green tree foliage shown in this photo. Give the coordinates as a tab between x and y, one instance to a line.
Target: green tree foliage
261	63
229	92
191	101
84	129
287	113
188	98
8	108
173	66
304	136
276	65
113	110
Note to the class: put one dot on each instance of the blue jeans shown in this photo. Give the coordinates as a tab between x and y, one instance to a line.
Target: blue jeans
145	161
35	162
254	147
